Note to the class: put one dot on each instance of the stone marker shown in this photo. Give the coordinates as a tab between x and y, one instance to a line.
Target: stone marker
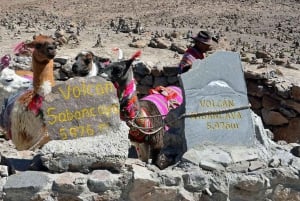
217	84
81	107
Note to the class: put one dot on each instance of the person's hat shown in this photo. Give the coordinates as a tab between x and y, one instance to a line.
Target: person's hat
204	37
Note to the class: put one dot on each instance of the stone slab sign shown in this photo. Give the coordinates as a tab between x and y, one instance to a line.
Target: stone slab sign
216	102
81	107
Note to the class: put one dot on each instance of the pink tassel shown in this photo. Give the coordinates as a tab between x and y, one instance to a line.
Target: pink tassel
4	62
19	47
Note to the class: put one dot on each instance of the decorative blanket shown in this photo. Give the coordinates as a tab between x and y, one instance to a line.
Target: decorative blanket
165	98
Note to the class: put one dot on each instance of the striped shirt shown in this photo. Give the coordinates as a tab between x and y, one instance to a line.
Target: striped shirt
188	58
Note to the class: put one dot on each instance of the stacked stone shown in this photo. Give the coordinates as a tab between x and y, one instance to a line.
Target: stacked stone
69	171
273	97
277	100
149	76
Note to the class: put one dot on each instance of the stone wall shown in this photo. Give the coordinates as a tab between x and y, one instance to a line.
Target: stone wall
94	169
265	172
274	93
274	97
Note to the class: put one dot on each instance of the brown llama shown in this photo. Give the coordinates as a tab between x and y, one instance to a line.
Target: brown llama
145	116
21	115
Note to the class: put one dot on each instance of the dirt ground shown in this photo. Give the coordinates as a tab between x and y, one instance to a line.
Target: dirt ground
273	23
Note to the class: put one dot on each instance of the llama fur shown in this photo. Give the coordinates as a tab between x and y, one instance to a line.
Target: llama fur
27	127
135	112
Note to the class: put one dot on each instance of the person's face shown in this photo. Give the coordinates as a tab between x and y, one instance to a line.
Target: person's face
203	47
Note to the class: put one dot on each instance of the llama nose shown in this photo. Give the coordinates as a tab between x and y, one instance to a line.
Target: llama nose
51	47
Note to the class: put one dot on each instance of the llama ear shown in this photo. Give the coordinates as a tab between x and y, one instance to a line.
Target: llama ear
128	63
91	53
133	57
136	55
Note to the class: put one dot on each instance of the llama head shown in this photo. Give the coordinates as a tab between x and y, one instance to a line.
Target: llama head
83	63
11	81
44	48
119	71
87	64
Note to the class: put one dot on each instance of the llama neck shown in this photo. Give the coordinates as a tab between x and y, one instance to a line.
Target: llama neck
129	105
42	76
93	71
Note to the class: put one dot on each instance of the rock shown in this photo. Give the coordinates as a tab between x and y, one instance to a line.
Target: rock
239	154
241	167
143	184
60	60
102	180
178	48
83	155
251	183
279	62
81	107
273	118
270	103
70	183
209	153
170	70
256	165
195	181
255	89
139	44
27	184
295	92
211	166
159	43
285	193
255	102
141	68
262	54
289	133
291	104
171	177
3	171
296	151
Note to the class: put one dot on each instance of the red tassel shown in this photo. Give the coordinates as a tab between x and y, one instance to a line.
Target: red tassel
136	55
36	104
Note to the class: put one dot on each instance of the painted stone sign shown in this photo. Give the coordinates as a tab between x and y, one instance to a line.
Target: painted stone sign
81	107
216	102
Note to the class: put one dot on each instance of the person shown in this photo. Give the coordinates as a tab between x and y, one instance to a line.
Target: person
202	43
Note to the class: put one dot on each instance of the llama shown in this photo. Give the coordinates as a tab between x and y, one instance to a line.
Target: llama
87	64
13	80
21	115
10	81
145	116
